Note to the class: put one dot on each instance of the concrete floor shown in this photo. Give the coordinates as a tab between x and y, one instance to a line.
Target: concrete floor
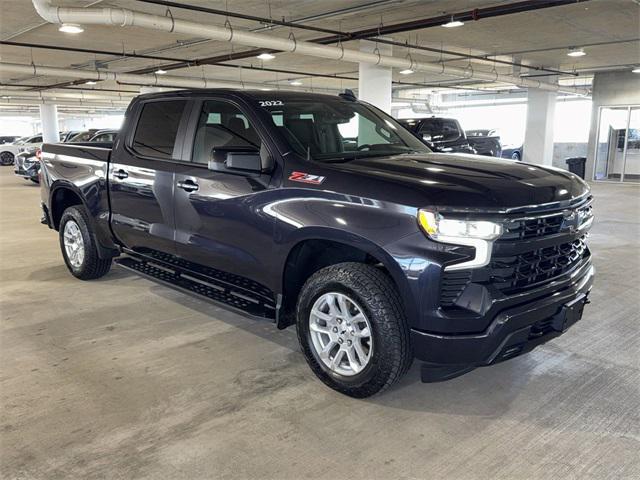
122	378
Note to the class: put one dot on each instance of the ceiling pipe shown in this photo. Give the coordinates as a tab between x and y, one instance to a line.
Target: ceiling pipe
374	34
184	63
147	80
51	95
17	100
127	18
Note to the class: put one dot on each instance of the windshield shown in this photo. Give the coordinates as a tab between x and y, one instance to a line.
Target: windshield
339	130
440	129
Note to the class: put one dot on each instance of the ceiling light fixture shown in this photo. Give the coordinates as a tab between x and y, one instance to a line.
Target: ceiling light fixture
636	70
266	56
71	28
295	83
453	23
576	52
90	82
406	71
160	72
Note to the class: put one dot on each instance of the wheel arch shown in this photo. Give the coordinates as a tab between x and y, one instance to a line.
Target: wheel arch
322	247
63	195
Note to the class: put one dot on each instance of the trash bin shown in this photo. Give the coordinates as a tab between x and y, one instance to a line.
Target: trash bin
576	165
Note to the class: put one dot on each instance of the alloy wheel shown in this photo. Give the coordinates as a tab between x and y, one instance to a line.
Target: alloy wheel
340	334
73	244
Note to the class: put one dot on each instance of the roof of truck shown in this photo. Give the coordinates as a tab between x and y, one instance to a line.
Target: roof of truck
253	94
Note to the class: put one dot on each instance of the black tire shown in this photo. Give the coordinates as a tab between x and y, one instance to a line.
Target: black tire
92	266
377	296
6	158
515	156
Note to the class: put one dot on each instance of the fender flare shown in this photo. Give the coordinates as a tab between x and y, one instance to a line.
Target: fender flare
104	251
361	243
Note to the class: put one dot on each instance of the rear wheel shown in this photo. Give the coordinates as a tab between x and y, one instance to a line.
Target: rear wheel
77	243
6	158
515	156
353	330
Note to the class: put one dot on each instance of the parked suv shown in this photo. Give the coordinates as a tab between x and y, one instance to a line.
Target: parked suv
324	213
440	134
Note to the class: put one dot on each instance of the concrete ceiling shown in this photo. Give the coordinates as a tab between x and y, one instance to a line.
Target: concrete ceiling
609	30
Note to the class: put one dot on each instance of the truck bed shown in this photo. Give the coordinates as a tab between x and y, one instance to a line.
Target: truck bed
90	151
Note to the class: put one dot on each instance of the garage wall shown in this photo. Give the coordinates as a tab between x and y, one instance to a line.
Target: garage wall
562	151
610	88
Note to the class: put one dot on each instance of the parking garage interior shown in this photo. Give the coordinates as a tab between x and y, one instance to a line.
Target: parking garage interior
124	378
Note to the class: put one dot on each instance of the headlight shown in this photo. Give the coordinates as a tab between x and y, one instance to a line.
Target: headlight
474	233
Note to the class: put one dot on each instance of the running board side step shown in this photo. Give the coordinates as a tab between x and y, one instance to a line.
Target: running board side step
220	293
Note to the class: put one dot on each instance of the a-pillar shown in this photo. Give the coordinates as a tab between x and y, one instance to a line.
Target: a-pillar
375	82
538	136
49	121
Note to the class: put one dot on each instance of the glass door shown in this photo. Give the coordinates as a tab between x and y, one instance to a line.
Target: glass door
610	145
631	172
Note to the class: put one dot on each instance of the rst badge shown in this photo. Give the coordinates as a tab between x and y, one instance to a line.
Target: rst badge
306	178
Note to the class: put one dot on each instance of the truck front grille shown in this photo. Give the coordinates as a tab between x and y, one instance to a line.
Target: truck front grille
540	226
519	272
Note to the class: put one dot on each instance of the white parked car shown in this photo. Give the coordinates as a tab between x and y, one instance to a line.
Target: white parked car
9	151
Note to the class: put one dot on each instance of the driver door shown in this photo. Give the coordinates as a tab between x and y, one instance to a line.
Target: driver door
217	210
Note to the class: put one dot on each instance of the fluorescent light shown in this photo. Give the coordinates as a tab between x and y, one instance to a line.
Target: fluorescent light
160	72
453	23
266	56
406	71
295	83
266	89
576	52
89	82
71	28
636	70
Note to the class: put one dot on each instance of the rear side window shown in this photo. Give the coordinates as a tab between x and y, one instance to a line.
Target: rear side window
157	128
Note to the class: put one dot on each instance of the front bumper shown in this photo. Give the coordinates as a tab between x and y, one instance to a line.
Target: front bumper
26	168
512	332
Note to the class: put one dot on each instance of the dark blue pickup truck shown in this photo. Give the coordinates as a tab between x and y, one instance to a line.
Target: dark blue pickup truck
324	212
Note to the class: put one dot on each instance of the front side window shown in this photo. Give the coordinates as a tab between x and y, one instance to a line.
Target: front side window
157	128
222	126
333	129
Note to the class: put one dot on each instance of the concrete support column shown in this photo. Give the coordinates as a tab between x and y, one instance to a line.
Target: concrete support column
374	82
538	136
50	125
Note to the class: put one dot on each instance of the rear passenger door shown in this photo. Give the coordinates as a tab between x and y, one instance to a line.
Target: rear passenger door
219	223
142	175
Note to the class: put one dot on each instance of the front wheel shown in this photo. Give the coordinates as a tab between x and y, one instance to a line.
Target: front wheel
77	243
6	158
353	330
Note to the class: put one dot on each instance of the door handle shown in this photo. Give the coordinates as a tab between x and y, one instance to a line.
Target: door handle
120	174
188	186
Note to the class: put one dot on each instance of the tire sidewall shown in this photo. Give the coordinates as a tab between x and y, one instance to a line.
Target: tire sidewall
74	214
309	296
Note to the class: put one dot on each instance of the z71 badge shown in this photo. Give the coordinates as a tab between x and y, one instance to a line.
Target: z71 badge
306	178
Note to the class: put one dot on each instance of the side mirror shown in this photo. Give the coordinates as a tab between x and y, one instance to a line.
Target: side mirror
242	160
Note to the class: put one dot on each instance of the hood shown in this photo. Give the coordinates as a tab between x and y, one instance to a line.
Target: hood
466	182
